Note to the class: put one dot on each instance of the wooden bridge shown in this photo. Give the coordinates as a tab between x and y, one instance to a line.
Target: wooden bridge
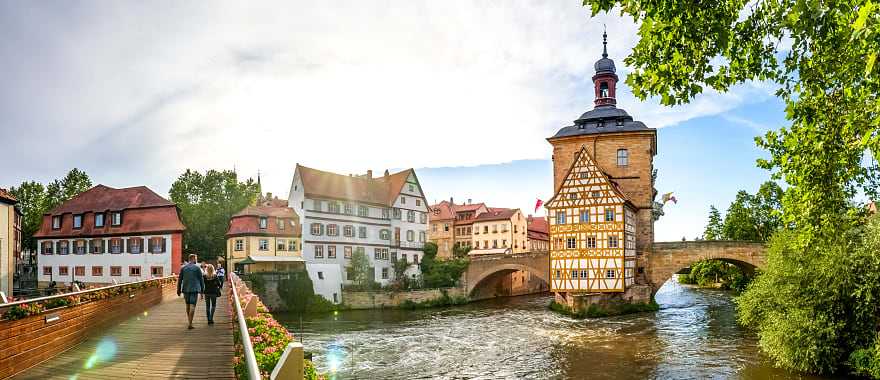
128	331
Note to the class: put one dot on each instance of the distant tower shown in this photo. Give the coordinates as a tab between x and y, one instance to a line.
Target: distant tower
601	221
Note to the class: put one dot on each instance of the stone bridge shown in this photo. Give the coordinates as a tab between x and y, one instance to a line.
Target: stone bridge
488	274
669	258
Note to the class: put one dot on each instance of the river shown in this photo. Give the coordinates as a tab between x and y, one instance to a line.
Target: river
693	336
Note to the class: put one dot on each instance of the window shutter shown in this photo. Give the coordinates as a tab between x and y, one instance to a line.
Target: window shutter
143	245
127	245
163	245
57	247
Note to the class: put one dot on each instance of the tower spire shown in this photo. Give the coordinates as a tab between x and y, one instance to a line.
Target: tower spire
604	42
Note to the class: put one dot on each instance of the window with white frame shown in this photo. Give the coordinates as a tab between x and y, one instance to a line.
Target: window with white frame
411	216
560	217
622	157
56	222
385	234
348	230
78	223
291	245
570	243
584	273
585	216
116	218
346	252
317	229
331	251
385	273
239	244
79	247
99	220
574	274
397	213
280	223
363	211
349	209
591	242
264	244
264	222
281	245
422	236
410	235
611	273
333	207
319	251
609	215
332	230
402	200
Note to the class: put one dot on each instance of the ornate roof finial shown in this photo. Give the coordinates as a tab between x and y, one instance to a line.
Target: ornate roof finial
604	42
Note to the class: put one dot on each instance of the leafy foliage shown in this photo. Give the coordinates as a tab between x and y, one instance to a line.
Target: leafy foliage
206	202
710	272
359	270
714	227
749	217
35	200
440	273
460	251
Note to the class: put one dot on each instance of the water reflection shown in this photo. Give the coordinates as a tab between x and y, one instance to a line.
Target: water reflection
693	336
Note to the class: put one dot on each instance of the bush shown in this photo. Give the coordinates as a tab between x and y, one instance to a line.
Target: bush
443	300
612	308
815	304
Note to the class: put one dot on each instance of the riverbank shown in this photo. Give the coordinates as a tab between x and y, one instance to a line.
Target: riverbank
614	309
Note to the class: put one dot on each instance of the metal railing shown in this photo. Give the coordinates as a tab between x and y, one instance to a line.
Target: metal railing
249	358
46	298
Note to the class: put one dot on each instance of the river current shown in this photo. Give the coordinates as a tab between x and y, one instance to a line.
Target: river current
693	336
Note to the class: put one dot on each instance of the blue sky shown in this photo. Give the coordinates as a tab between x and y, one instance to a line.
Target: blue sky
135	93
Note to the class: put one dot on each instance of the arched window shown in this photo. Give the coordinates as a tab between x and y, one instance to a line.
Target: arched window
622	157
603	90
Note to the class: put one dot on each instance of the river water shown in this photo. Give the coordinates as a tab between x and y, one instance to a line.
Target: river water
693	336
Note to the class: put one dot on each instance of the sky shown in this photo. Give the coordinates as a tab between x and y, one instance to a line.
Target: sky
134	93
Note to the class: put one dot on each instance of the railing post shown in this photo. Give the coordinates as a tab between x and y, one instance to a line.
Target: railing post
290	365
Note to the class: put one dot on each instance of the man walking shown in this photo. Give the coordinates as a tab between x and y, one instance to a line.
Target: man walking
190	282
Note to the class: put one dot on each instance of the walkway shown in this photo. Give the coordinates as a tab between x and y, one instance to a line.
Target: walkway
154	345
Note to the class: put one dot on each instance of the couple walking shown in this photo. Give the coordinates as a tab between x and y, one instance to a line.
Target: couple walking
192	282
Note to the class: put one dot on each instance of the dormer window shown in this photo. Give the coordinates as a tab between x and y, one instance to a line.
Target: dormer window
619	122
56	222
116	218
600	124
264	222
99	220
77	221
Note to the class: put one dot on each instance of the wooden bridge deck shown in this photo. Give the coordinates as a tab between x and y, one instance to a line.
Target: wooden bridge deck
152	345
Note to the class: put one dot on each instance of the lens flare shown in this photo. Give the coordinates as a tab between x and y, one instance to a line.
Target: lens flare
335	356
105	351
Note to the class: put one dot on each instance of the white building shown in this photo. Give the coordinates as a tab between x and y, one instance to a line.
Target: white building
105	234
383	217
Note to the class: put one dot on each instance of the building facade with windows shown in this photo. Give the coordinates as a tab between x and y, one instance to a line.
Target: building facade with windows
104	234
259	232
452	224
600	216
384	218
500	230
10	240
539	234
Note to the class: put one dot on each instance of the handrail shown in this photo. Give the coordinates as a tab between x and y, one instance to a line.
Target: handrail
249	357
40	299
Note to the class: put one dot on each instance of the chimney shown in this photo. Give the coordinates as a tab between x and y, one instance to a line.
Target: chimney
469	201
369	174
450	200
386	173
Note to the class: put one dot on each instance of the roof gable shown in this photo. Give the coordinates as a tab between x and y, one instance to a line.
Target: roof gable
586	184
380	190
103	198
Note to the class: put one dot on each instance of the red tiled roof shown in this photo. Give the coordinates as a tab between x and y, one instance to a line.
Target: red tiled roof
103	198
143	212
535	235
7	197
379	190
496	213
469	207
447	210
538	228
441	211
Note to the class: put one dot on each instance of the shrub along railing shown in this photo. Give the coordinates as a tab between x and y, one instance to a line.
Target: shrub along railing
264	349
35	330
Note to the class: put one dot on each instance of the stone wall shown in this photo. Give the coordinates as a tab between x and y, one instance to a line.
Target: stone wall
386	299
667	258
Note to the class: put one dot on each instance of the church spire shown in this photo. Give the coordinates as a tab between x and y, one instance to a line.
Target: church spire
604	42
605	80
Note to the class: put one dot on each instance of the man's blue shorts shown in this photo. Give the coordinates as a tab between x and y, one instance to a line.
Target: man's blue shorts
191	297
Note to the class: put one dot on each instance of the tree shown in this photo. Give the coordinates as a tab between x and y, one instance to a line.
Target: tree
754	217
714	228
359	269
296	291
207	202
400	279
460	250
31	197
59	191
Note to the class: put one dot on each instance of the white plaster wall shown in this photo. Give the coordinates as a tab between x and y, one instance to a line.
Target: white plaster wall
106	260
332	282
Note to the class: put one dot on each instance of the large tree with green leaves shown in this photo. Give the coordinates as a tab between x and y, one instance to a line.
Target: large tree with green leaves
35	200
714	227
207	202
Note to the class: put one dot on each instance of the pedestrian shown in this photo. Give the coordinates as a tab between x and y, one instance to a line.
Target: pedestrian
202	267
190	282
221	274
212	291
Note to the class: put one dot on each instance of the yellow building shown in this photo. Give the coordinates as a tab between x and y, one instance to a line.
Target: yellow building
264	239
451	225
10	240
500	230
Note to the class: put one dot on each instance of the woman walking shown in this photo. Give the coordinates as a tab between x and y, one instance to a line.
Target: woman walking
212	291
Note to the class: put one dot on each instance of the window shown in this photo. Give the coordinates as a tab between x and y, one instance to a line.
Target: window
363	211
415	259
622	157
97	271
377	253
384	273
79	271
612	242
386	214
583	175
135	245
572	196
332	230
494	243
280	223
47	271
418	202
585	216
403	257
319	251
317	229
349	209
264	244
77	221
574	274
79	247
423	218
156	271
558	274
362	232
333	207
116	271
116	218
603	90
433	227
348	231
422	236
393	257
239	245
316	205
346	252
281	245
402	200
411	216
560	217
446	227
412	188
320	275
609	215
96	246
157	245
385	235
56	222
62	271
331	251
264	222
410	235
570	243
591	242
397	213
134	271
611	273
504	243
115	245
46	247
291	245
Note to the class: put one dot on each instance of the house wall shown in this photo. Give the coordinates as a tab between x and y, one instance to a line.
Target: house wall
251	247
501	231
7	247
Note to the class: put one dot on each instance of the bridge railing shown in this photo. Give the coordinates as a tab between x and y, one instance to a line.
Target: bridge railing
249	358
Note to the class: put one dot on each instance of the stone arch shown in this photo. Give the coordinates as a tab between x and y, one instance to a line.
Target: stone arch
476	281
670	258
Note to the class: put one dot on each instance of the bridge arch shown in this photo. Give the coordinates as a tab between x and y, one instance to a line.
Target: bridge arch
670	258
487	271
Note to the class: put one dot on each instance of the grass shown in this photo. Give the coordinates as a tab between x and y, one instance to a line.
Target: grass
614	308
